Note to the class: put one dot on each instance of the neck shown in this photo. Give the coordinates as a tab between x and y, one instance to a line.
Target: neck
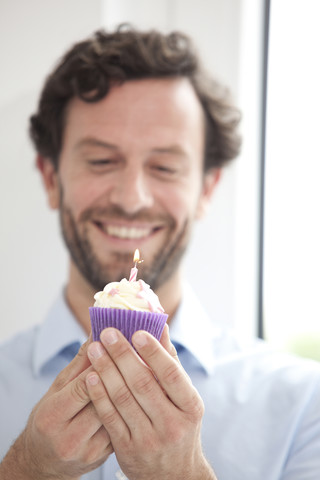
170	294
79	296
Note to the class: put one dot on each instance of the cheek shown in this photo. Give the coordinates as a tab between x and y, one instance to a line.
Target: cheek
82	193
179	202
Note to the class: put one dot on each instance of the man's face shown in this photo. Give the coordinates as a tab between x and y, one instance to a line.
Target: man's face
131	176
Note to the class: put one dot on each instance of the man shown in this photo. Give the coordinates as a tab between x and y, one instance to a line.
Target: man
131	137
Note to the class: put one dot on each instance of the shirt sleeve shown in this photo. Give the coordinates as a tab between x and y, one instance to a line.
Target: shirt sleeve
303	461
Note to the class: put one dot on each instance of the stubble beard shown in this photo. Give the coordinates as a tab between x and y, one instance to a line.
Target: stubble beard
163	265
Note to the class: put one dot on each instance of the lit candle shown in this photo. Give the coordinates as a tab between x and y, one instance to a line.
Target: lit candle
134	270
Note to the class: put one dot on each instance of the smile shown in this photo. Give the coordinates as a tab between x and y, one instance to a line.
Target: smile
127	233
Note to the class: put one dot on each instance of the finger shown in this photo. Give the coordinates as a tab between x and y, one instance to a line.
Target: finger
166	343
107	412
86	423
93	451
68	402
169	373
137	376
75	367
85	438
99	445
115	385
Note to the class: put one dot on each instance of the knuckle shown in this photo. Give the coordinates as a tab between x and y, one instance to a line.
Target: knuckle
173	352
144	384
172	374
122	351
82	352
79	390
195	407
153	352
109	417
123	396
60	380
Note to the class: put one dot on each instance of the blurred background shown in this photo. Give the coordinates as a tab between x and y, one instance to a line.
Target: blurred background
254	262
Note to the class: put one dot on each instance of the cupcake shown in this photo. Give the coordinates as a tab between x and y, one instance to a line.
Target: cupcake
128	306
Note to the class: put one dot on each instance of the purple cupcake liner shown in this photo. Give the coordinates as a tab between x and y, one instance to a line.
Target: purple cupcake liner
127	321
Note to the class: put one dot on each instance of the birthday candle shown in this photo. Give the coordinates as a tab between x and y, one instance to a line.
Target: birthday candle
134	270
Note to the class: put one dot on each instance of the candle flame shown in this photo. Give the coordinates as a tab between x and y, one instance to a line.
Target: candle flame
136	256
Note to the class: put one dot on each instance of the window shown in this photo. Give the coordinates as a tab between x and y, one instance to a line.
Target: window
291	278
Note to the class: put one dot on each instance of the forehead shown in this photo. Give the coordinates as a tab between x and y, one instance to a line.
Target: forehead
166	107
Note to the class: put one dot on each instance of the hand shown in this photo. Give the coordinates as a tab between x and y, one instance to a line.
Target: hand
64	437
148	406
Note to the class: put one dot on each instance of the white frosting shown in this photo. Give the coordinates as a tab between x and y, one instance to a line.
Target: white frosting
128	295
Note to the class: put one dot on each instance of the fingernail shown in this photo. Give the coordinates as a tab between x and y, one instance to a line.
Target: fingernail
96	350
140	339
93	379
109	336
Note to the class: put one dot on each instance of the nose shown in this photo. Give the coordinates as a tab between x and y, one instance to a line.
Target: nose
131	191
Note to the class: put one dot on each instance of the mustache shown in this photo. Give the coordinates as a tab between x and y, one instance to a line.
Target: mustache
115	212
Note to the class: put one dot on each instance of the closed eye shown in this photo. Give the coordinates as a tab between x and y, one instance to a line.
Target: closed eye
161	168
165	172
103	165
101	161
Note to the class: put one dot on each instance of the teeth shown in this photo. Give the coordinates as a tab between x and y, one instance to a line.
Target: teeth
125	232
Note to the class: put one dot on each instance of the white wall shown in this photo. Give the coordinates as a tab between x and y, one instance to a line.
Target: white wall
33	34
32	258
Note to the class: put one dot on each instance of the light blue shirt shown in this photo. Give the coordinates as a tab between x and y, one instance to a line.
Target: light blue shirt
262	408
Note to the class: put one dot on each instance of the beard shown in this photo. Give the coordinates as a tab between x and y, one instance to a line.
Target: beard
163	264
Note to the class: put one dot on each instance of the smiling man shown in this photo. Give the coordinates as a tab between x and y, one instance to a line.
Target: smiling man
130	175
131	135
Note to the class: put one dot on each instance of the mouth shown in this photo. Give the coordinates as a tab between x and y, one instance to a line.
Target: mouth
124	232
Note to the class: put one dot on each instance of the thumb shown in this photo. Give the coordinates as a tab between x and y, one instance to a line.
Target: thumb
75	367
166	343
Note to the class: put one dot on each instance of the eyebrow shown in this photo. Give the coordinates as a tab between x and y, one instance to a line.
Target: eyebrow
175	149
95	142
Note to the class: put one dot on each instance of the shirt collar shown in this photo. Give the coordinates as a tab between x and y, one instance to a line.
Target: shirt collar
192	328
58	332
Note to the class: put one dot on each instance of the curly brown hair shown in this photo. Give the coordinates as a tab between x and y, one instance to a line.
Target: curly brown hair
92	66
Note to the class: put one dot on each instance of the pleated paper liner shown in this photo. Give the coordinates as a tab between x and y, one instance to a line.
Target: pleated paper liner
127	321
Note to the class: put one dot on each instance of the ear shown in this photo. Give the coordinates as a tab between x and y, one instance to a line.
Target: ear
210	181
49	176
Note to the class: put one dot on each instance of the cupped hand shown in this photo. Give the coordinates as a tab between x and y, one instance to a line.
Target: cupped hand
64	437
148	406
